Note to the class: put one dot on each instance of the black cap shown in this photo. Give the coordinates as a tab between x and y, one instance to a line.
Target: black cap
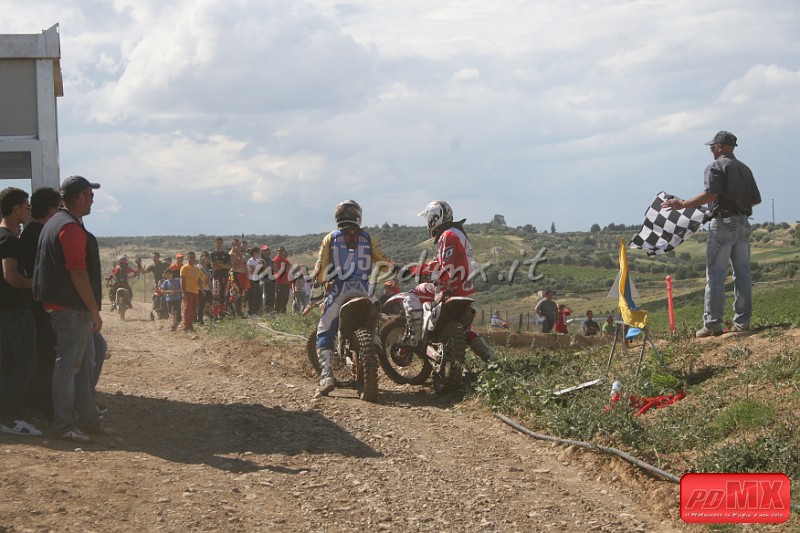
723	137
76	184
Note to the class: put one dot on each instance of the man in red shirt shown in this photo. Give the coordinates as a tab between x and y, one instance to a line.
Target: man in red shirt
282	282
68	280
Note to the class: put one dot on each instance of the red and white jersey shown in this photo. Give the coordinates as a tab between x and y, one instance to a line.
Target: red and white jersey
453	264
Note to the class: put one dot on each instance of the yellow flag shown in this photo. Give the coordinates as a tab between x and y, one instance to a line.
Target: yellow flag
631	315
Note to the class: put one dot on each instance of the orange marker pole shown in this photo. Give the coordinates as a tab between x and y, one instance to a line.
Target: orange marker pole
669	306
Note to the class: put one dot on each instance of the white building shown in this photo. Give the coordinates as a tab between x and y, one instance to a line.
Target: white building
30	82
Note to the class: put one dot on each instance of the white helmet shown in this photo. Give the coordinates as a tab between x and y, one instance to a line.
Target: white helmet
122	260
437	213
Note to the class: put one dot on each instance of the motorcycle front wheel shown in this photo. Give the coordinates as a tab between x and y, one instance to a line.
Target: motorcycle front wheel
401	365
367	381
340	367
454	347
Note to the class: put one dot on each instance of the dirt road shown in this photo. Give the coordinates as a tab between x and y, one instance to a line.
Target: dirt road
209	436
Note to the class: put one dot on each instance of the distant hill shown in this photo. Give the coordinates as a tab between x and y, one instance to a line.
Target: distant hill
580	266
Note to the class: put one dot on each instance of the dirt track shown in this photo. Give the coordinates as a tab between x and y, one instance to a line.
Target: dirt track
209	437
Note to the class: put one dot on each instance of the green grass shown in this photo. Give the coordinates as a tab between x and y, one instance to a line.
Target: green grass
710	429
249	329
743	415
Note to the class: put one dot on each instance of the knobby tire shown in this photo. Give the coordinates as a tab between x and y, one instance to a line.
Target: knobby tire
367	384
416	371
454	347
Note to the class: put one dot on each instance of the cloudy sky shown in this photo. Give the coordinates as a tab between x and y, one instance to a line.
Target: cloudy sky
258	116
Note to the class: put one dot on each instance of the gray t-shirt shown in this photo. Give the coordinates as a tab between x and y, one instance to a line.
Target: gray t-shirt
548	308
733	183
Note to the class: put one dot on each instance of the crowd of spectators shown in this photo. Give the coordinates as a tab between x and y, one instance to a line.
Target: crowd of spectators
51	289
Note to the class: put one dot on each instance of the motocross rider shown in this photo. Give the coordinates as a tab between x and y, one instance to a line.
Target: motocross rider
119	278
347	257
452	270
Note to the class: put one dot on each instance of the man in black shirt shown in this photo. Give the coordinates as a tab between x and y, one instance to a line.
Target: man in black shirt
44	204
157	268
17	329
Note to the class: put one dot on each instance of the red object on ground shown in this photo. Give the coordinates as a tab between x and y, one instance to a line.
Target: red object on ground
645	404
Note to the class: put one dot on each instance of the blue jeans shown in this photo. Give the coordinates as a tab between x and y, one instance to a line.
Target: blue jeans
17	361
100	351
72	374
728	242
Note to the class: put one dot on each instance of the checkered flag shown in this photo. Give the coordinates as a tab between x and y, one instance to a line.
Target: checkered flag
664	229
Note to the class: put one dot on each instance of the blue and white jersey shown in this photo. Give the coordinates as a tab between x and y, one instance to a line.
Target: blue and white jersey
347	256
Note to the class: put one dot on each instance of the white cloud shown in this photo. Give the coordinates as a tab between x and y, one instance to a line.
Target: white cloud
536	110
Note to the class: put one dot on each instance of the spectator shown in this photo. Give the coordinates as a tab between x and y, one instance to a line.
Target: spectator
497	321
17	328
590	327
609	327
254	293
157	268
267	279
192	279
204	299
221	269
171	287
561	318
299	290
175	268
44	204
547	310
282	267
239	279
67	279
730	192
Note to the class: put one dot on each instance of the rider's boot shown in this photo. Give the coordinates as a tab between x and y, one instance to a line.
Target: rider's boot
482	349
326	382
413	331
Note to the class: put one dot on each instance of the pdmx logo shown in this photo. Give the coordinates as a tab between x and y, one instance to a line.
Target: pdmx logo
735	498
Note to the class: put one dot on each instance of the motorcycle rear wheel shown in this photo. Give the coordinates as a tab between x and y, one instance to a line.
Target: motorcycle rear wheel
367	382
340	366
401	365
122	306
454	347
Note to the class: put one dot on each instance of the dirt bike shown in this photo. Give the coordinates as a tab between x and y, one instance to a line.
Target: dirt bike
354	354
160	308
441	350
123	301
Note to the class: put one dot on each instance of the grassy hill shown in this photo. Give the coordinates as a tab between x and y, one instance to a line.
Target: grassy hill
579	266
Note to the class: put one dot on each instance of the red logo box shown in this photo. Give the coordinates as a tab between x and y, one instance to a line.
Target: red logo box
735	498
